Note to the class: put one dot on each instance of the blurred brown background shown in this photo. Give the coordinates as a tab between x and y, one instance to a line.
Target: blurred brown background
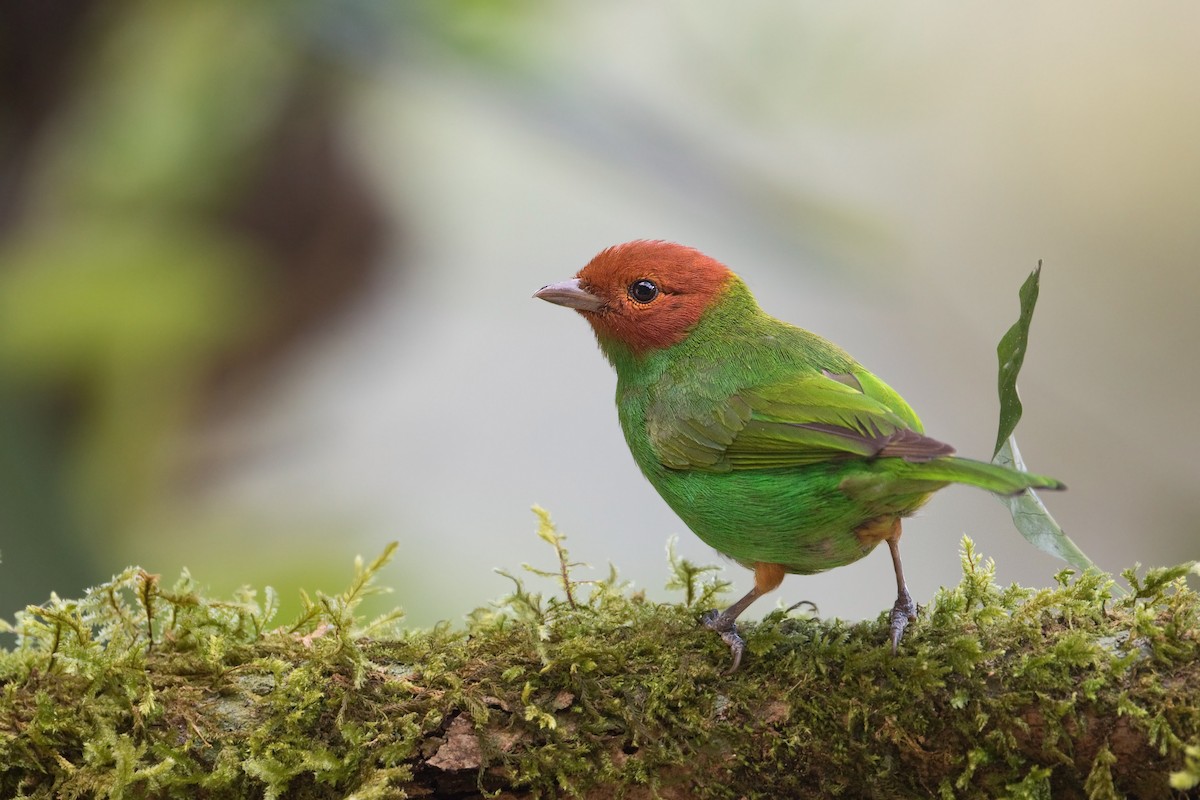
265	271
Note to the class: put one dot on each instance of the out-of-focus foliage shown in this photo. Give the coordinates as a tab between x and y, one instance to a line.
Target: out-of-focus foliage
161	124
143	247
125	317
119	285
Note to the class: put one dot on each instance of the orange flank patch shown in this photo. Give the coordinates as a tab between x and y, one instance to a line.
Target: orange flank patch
767	576
878	530
686	280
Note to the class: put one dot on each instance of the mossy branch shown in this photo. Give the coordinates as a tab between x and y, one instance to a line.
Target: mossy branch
146	692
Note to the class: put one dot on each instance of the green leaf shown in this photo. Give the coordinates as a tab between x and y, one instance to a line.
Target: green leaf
1029	514
1032	518
1011	352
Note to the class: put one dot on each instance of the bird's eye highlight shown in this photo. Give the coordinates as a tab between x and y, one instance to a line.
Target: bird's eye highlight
643	291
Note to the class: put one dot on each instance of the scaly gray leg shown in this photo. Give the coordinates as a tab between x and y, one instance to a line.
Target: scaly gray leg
904	610
723	623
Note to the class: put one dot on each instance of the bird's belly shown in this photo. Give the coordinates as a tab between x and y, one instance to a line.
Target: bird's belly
798	518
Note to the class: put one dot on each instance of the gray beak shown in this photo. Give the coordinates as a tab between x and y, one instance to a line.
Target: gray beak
570	294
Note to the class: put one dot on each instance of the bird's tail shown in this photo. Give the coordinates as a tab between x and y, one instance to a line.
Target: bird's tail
992	477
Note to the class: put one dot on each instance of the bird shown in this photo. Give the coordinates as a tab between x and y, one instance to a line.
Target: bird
771	443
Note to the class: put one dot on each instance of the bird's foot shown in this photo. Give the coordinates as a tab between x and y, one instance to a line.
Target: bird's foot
903	612
725	626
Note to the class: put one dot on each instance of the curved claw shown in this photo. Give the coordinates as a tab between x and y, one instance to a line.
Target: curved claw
737	646
725	626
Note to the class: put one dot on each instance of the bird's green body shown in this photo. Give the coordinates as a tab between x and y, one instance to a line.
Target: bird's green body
714	424
774	446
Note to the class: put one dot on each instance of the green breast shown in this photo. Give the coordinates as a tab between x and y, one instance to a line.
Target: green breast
797	517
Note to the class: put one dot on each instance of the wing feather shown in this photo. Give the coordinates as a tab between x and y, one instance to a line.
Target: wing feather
805	419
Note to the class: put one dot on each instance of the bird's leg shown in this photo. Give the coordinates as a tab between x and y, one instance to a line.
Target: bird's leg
766	578
904	610
723	622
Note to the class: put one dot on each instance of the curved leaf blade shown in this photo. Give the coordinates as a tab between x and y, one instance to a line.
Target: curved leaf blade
1011	353
1029	514
1033	520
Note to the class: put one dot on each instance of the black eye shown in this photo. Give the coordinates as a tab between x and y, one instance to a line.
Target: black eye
643	291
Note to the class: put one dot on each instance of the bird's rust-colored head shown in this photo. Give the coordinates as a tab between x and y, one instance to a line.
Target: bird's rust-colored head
645	295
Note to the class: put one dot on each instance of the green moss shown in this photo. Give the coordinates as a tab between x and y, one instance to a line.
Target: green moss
141	691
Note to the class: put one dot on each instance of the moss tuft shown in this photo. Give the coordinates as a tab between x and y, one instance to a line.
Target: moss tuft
138	690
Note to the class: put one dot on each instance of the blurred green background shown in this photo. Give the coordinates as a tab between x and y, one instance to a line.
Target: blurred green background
265	271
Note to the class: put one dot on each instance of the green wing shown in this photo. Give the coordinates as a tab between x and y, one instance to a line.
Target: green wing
807	418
